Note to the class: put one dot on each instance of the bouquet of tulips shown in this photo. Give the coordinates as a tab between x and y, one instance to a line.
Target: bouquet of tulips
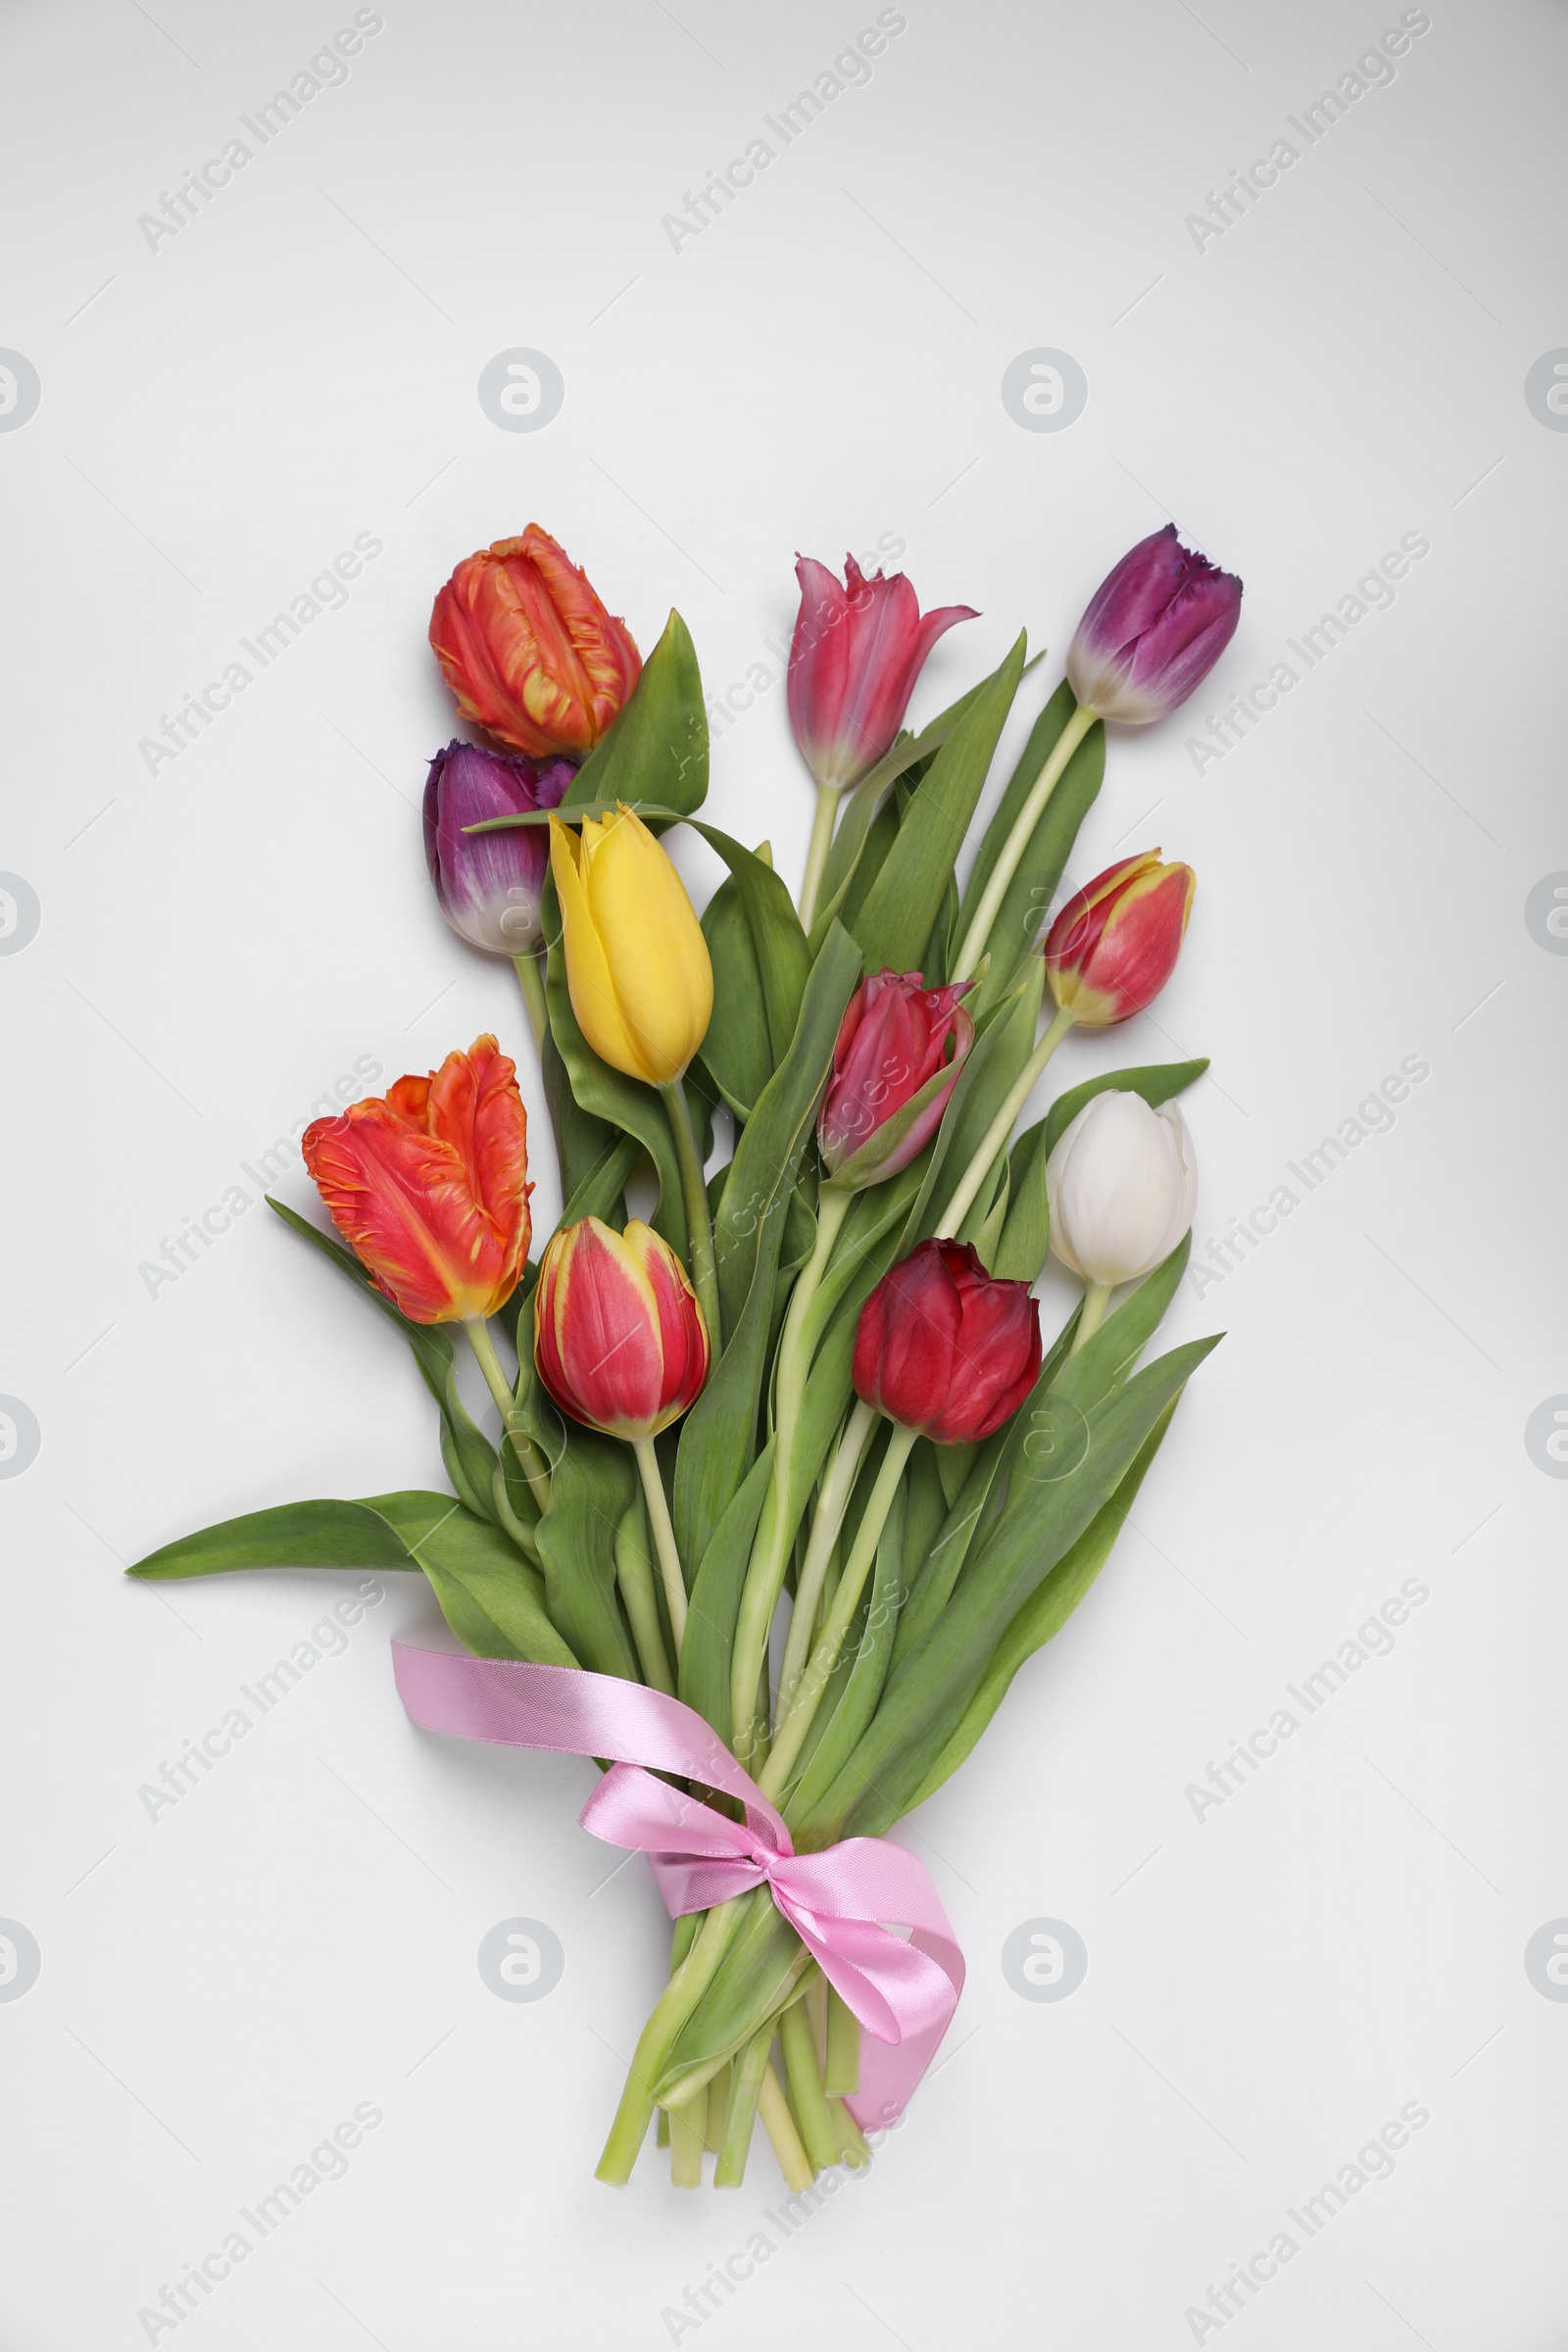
810	1385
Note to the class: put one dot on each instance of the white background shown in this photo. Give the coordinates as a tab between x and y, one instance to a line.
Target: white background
219	941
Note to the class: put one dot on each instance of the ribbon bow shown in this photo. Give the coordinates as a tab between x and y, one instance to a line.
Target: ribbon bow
838	1901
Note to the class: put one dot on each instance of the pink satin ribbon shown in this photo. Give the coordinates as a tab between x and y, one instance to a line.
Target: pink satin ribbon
836	1901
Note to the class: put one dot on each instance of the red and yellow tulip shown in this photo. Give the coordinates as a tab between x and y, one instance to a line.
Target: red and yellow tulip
529	651
1114	945
428	1186
620	1339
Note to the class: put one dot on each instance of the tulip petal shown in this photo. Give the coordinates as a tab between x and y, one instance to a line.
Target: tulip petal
653	945
593	994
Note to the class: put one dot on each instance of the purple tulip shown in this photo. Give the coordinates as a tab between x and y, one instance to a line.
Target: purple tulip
1153	631
489	883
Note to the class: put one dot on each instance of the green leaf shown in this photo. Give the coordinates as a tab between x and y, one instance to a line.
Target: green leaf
865	803
1045	1613
737	1052
469	1458
715	1599
896	921
721	1435
783	959
1027	902
592	1480
1020	1253
1004	1042
599	1189
857	1704
763	1172
609	1094
1156	1083
491	1599
929	1691
657	748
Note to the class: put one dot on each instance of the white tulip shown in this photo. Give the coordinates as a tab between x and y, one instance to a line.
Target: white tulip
1122	1184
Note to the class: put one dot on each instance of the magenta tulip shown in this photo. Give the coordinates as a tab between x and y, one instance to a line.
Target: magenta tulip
857	654
1152	632
901	1047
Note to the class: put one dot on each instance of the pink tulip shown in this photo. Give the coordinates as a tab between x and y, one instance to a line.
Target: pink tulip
1153	631
857	652
901	1047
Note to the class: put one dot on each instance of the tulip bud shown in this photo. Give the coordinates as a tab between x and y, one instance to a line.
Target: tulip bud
945	1349
489	883
857	654
620	1339
428	1186
637	965
1152	632
901	1047
529	651
1122	1185
1114	945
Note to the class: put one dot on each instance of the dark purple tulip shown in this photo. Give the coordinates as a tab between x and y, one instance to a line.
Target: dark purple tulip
489	883
1153	631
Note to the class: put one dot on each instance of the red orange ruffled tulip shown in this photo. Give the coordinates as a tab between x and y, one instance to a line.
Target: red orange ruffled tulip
428	1186
529	651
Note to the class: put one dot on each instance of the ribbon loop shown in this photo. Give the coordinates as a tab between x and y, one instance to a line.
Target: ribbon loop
839	1902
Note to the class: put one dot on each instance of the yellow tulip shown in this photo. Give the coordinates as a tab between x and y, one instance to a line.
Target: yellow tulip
637	965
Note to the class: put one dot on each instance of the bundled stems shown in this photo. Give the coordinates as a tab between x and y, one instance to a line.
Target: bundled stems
699	1223
669	2013
807	2097
776	1528
840	2069
664	1539
532	984
1012	849
798	1700
827	809
832	1504
530	1457
1001	1128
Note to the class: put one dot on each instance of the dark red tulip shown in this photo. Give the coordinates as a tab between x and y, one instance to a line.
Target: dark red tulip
943	1348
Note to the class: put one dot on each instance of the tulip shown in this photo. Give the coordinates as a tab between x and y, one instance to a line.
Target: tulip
1152	632
857	654
946	1353
1114	945
900	1048
488	884
621	1344
1121	1184
529	650
641	983
428	1186
942	1348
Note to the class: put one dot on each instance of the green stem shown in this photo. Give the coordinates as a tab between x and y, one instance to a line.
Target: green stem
978	932
717	2108
635	1576
801	2064
841	2071
764	1577
853	2147
520	1533
779	2125
664	1539
686	2142
669	2013
699	1224
1095	1300
798	1702
827	809
995	1135
530	1459
740	2113
832	1504
531	982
